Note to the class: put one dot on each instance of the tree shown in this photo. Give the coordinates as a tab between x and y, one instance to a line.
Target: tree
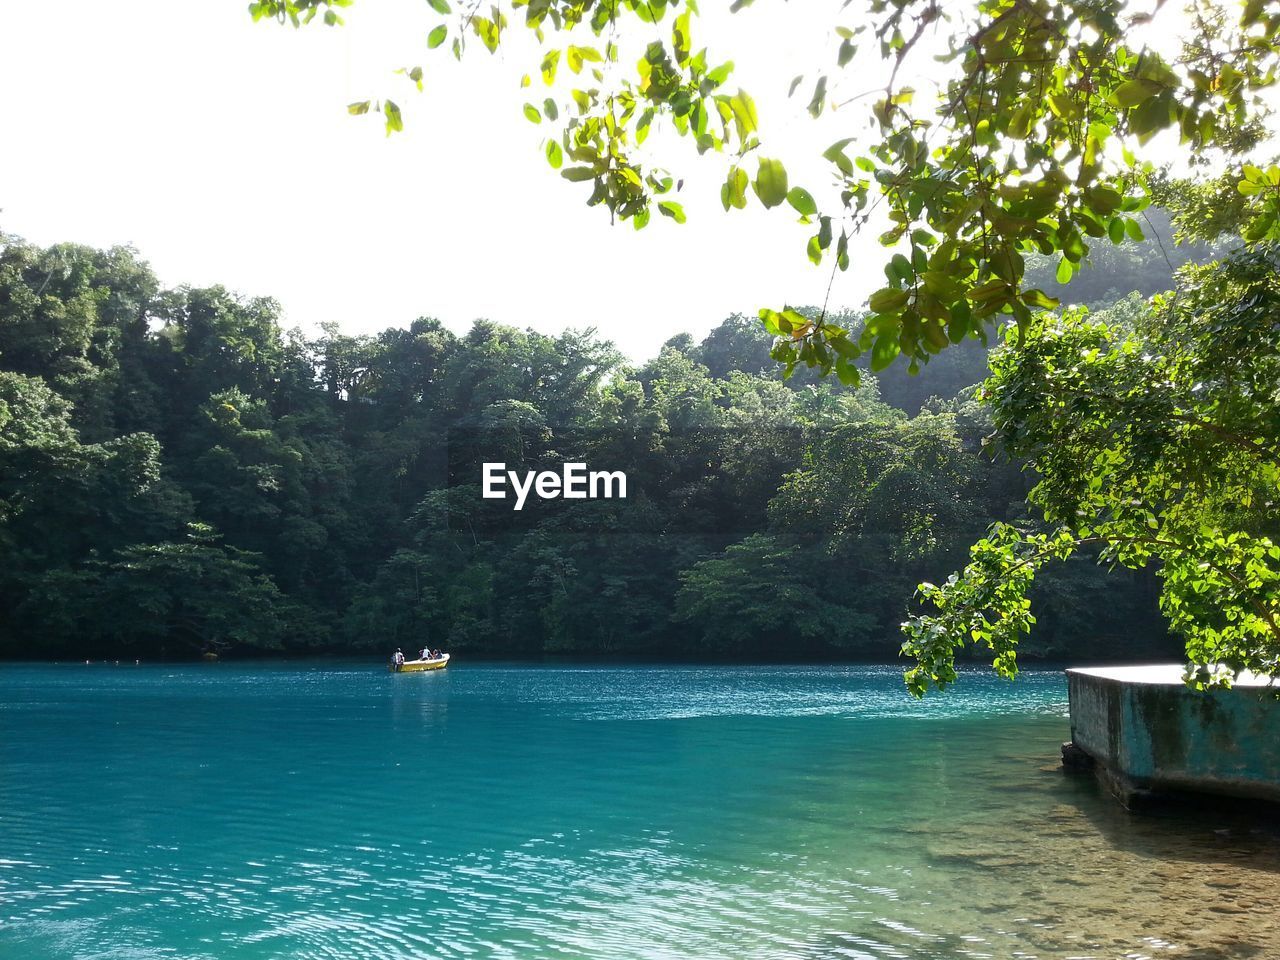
197	593
1033	143
1157	441
723	596
76	317
63	502
396	608
1036	145
234	486
218	341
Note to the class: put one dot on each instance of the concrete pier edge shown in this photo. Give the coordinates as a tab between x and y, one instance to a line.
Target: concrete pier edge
1147	735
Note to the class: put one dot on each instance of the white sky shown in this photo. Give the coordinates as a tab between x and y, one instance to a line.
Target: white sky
222	150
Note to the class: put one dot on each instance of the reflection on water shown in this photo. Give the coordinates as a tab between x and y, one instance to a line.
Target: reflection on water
324	811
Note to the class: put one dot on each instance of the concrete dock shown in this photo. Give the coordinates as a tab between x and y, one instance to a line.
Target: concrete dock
1147	733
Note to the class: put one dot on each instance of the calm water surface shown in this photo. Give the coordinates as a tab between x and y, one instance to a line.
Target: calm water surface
528	811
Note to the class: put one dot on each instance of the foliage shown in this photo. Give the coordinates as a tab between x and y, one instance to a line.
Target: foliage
1157	440
723	596
1112	271
178	474
197	593
1153	444
1034	143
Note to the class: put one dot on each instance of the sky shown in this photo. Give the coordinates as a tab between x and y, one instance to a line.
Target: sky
223	152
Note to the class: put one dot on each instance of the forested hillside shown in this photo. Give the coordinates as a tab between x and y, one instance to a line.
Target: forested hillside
179	474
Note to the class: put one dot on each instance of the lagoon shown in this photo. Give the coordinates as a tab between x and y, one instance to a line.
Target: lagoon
510	810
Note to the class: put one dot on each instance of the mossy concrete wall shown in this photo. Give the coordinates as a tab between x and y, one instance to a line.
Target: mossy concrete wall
1149	732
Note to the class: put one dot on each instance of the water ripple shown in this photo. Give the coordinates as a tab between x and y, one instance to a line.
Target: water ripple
503	811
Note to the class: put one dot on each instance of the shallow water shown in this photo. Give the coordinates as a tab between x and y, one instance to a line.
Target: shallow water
524	811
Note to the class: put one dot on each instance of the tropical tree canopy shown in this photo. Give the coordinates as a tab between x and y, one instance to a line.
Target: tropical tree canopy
1153	429
179	474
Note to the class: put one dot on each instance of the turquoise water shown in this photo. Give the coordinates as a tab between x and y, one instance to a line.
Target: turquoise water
527	811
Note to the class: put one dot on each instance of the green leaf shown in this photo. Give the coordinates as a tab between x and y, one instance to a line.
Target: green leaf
549	64
531	112
436	36
770	184
395	122
721	73
795	323
884	351
1073	247
744	114
669	208
439	6
1150	118
849	374
814	249
887	300
1133	92
804	204
1065	270
1038	298
489	32
555	155
577	56
843	346
734	191
1020	121
819	99
835	154
643	124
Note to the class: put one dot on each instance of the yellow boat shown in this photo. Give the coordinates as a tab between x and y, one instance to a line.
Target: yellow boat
418	666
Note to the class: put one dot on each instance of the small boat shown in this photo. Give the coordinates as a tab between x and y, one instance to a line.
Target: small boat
418	666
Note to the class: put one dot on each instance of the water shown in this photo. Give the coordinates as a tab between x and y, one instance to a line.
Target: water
518	811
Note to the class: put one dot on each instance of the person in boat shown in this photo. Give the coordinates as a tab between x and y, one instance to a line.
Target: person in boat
426	653
397	660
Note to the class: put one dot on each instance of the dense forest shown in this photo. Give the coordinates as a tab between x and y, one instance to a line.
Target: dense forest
179	474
